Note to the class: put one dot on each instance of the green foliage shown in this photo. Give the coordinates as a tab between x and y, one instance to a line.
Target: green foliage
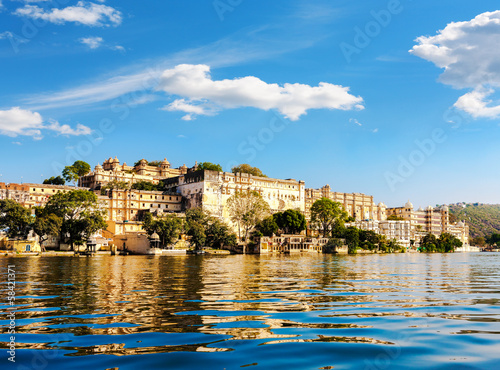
147	185
246	168
290	221
46	224
58	180
168	228
80	212
332	244
75	171
247	209
16	218
219	235
493	239
209	166
114	184
444	244
267	227
351	237
395	218
478	241
325	213
152	163
483	219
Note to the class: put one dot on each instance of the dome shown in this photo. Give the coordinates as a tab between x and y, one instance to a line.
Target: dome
165	161
143	162
184	166
445	208
105	161
420	209
381	204
409	205
98	167
429	208
116	160
461	224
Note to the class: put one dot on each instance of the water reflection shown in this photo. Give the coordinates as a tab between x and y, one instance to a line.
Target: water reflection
226	311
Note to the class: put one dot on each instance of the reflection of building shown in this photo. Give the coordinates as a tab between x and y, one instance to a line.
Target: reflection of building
431	220
211	190
112	170
357	205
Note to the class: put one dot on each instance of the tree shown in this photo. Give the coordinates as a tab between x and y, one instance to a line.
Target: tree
428	243
395	218
196	223
54	181
210	166
246	210
290	221
80	212
168	228
219	235
352	238
246	168
493	239
114	184
147	185
325	213
448	243
46	224
479	241
16	218
267	226
75	171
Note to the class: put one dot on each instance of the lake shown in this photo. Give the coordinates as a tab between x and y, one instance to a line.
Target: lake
412	311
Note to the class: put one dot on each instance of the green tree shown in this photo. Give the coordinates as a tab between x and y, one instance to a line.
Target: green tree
147	185
54	181
114	184
352	238
267	226
493	239
197	222
246	168
81	215
448	243
210	166
428	243
168	228
16	218
395	218
219	235
479	241
246	210
290	221
75	171
325	213
46	224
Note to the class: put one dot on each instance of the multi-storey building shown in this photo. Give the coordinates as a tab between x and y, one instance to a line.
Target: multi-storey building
17	192
359	206
397	230
112	170
210	190
430	220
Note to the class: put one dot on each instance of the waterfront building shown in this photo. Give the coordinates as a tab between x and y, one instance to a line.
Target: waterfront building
357	205
31	195
112	170
430	221
393	230
294	244
210	191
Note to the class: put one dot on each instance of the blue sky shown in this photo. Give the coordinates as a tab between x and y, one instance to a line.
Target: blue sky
396	99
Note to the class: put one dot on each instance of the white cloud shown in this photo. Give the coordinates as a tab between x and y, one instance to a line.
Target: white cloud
469	52
292	100
355	121
5	35
86	13
91	42
17	121
192	108
17	143
118	48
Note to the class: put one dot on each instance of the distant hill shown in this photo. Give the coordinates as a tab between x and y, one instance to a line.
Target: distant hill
483	219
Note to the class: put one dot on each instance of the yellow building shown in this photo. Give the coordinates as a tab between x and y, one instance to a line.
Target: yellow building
19	246
430	220
357	205
112	170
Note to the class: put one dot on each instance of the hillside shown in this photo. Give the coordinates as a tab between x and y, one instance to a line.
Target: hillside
483	219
